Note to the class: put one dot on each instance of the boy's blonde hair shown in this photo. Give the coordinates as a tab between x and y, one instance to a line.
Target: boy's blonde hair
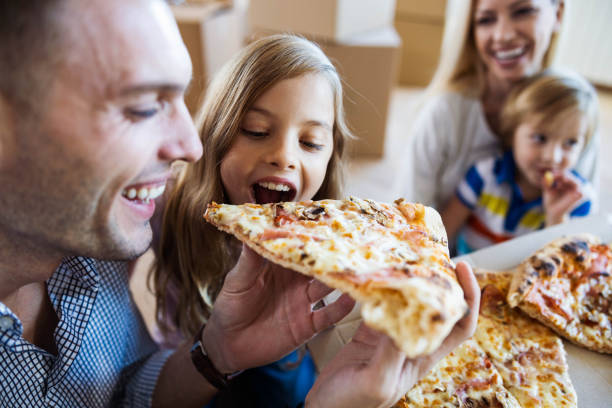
192	256
549	95
460	69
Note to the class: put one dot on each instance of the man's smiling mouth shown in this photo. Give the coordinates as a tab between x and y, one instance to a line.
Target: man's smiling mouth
144	193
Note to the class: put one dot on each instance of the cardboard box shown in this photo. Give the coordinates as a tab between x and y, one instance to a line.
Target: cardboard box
590	372
213	32
321	19
368	65
429	9
421	44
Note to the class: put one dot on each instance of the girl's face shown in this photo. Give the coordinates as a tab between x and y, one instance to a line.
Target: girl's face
284	144
551	146
512	36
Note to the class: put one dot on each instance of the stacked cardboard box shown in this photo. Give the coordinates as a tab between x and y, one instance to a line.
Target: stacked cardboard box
213	32
420	24
359	38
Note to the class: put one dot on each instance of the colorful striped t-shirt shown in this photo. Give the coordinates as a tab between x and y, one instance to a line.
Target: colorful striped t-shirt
499	212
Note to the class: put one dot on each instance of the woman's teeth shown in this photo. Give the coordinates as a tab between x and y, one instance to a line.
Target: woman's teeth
509	54
274	186
143	194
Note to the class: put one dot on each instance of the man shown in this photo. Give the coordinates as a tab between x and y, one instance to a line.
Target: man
91	108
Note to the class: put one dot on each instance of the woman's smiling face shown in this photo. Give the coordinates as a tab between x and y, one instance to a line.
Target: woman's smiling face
513	36
284	143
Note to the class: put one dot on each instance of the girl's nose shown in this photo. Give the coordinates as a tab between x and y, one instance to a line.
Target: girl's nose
282	152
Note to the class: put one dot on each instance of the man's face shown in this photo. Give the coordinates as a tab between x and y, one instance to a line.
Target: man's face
80	180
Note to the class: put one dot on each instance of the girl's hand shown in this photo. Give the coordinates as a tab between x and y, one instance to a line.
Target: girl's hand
371	372
264	312
560	197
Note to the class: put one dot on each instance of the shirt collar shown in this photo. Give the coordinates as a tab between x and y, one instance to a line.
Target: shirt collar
505	168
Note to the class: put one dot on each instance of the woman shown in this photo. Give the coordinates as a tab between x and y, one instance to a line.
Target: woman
488	46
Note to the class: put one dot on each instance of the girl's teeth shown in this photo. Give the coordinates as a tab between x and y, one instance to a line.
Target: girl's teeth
274	186
131	194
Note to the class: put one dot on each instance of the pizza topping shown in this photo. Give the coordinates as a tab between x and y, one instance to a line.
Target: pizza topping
574	247
283	216
313	213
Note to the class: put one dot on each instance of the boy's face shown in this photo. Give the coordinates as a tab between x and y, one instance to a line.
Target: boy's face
114	121
284	144
541	145
512	37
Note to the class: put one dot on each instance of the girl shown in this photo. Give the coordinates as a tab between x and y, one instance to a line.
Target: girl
545	124
273	129
488	46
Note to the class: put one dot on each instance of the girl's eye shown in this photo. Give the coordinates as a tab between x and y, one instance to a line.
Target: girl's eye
539	138
253	133
311	145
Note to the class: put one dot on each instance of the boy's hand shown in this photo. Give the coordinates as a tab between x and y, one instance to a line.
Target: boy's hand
264	312
559	197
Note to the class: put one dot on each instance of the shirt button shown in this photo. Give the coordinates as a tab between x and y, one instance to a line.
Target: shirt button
6	322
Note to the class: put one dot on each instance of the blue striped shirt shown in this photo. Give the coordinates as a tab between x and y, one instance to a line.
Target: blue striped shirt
499	211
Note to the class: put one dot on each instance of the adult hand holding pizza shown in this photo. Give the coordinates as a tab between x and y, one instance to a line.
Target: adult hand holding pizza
265	311
370	371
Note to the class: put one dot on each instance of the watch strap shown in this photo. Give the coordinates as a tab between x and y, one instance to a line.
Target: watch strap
205	366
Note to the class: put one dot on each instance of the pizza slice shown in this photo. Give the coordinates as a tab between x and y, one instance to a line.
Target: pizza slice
464	378
392	258
567	285
530	357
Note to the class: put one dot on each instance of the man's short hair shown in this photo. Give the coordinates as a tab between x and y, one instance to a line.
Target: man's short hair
29	50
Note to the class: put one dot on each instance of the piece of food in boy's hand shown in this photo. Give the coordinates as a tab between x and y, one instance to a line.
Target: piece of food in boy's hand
549	178
392	258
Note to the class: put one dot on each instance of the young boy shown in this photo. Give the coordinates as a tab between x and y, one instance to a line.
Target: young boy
546	121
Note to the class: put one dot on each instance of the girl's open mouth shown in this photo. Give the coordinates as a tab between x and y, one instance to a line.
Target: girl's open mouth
270	192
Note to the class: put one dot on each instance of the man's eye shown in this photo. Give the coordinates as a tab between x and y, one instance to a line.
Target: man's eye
253	133
141	113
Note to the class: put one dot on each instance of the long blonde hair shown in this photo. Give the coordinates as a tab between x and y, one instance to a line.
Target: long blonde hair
192	256
460	69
